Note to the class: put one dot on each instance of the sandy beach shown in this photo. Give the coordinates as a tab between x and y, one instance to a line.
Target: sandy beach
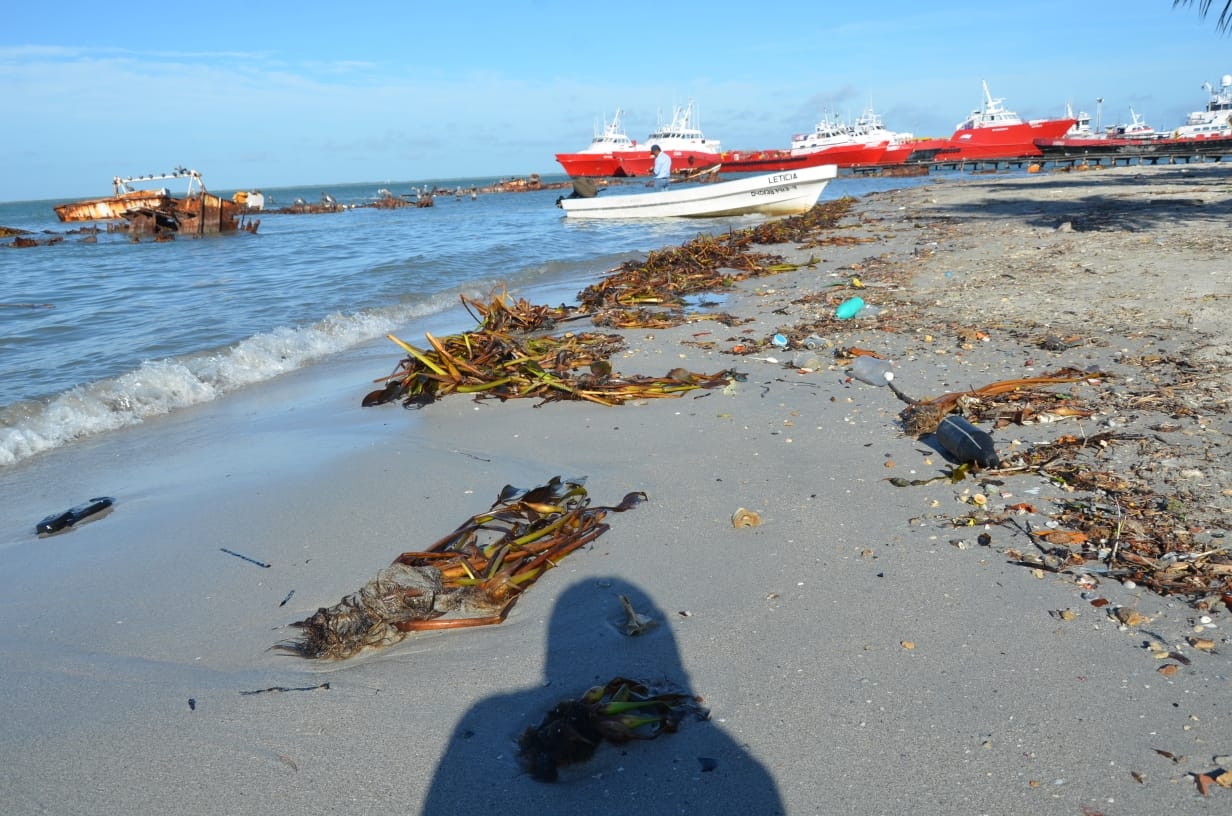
877	644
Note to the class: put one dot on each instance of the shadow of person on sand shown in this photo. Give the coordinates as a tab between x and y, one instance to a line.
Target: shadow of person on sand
699	769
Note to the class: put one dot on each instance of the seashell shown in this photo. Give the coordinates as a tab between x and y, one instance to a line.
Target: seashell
1205	644
745	518
1131	617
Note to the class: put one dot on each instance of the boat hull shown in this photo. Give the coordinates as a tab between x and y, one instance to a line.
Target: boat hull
590	165
641	163
771	161
113	207
197	214
153	212
787	193
1068	147
997	142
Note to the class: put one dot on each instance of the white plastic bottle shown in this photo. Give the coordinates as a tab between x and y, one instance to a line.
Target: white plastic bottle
872	370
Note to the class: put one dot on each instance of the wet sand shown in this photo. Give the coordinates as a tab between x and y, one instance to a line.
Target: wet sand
858	653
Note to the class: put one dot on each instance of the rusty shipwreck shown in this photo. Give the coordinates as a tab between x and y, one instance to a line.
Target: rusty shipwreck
159	212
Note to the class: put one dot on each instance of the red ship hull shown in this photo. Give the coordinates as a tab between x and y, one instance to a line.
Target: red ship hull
770	161
998	142
633	163
1211	145
894	154
591	165
641	163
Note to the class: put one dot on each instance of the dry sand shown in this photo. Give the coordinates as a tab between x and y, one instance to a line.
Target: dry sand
859	654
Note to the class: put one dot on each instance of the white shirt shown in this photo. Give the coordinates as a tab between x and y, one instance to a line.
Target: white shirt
663	166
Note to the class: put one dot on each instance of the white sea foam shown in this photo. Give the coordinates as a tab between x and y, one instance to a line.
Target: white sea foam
160	387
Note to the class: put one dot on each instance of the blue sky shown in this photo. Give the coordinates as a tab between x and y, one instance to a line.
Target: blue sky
311	93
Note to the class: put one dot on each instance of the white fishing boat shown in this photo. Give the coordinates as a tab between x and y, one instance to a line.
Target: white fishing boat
1215	120
789	192
1136	129
1081	129
829	132
682	139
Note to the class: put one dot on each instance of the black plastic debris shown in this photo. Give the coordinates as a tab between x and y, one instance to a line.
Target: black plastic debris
967	443
60	521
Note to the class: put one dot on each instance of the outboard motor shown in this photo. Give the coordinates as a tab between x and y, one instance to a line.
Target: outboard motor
582	188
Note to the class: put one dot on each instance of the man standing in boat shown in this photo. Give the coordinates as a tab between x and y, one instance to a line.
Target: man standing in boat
662	168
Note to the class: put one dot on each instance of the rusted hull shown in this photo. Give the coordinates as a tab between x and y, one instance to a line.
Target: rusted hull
113	207
201	214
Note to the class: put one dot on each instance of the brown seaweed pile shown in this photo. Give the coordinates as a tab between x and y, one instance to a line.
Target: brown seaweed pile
620	711
505	359
471	577
708	263
922	416
1121	522
511	355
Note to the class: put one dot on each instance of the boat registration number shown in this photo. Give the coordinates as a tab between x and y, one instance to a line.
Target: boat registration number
782	188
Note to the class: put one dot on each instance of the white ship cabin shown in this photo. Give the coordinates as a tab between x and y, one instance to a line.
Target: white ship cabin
1082	124
610	141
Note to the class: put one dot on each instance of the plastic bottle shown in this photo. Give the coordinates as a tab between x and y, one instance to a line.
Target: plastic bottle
806	359
779	341
967	443
872	370
814	341
849	308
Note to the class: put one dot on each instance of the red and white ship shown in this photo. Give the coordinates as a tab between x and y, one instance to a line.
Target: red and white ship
612	153
864	143
1215	120
992	132
681	139
1207	128
600	158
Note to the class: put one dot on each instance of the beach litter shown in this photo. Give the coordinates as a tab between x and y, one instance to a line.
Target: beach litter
922	416
620	711
281	689
670	279
872	370
635	622
849	308
250	560
471	577
508	355
1108	524
62	521
965	442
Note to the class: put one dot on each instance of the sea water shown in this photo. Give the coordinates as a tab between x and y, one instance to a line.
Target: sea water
101	333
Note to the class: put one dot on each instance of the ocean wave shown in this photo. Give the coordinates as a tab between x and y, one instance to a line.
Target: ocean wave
159	387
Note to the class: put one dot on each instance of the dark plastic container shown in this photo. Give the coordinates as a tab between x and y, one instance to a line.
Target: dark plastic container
966	443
